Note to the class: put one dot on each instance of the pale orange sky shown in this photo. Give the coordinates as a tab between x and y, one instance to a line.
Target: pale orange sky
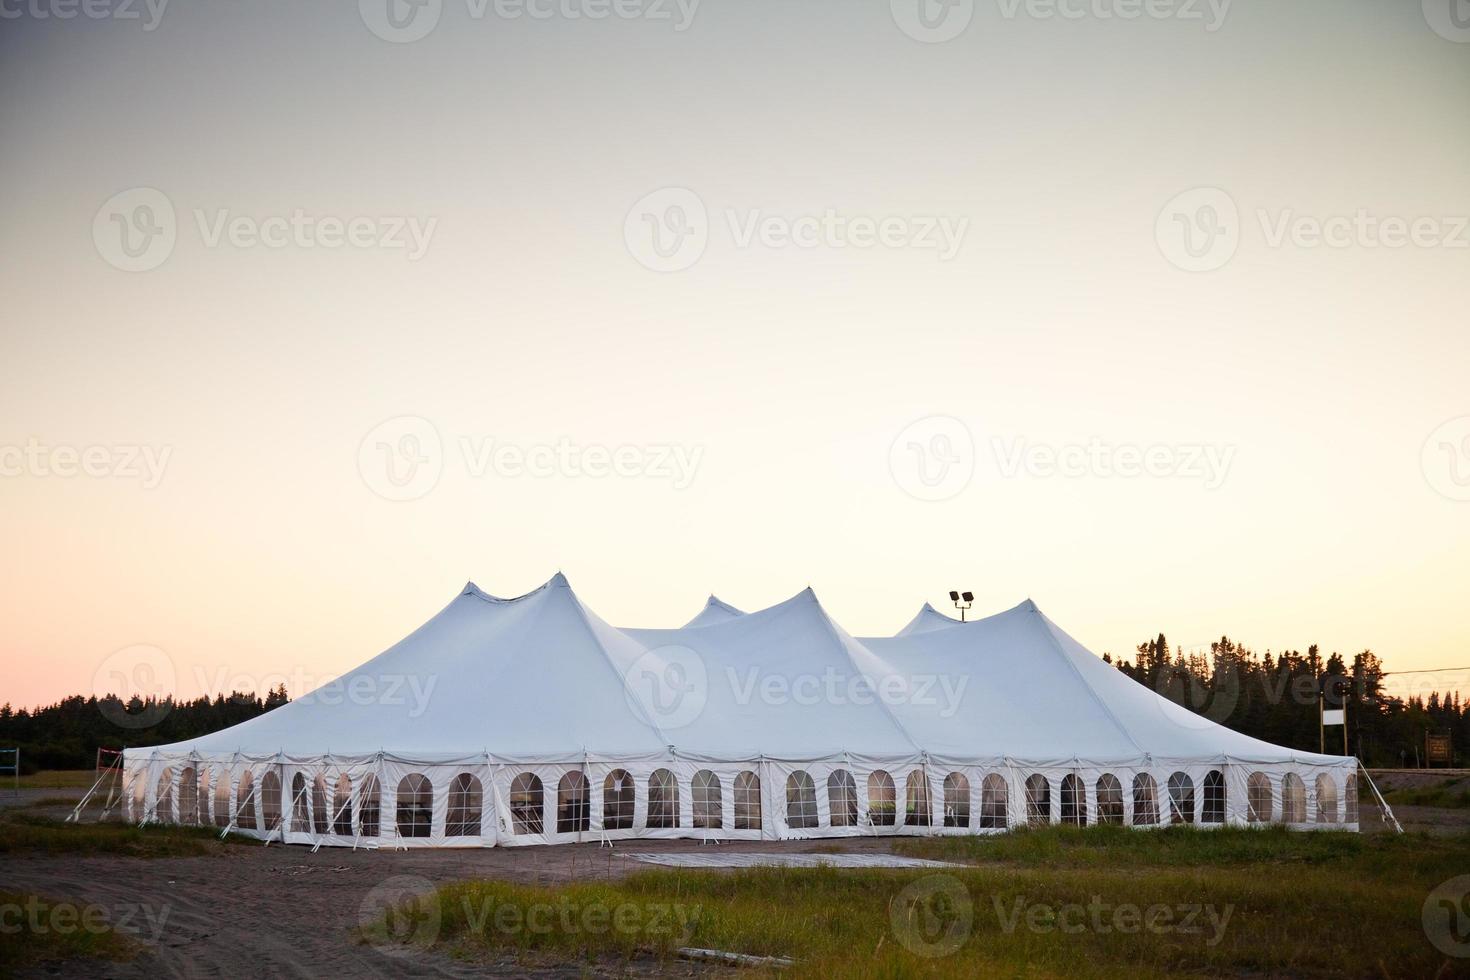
1326	381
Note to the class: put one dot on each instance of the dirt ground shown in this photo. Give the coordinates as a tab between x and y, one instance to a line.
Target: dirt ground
283	911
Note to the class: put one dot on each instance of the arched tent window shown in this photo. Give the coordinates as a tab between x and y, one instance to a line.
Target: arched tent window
1038	800
369	807
300	811
1214	811
1293	799
663	799
1258	798
270	799
918	808
202	815
842	798
747	801
163	801
573	804
222	798
1181	798
801	801
466	806
1326	799
415	816
137	792
342	806
617	800
1074	801
1109	799
527	804
708	804
1145	800
320	823
245	801
956	800
882	799
993	802
188	796
1350	798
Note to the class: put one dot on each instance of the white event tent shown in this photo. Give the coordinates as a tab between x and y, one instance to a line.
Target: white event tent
531	720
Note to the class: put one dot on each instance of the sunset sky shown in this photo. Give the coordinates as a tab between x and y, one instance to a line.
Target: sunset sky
1160	321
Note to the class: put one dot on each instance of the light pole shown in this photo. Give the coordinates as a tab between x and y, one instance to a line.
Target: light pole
962	601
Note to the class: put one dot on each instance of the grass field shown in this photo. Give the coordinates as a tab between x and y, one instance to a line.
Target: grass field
28	833
1100	902
53	779
1452	793
35	931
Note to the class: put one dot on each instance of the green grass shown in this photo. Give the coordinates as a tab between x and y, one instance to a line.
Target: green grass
1452	793
29	833
38	931
53	779
1265	903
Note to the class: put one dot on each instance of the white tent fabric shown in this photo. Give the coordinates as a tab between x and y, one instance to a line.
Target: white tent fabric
531	720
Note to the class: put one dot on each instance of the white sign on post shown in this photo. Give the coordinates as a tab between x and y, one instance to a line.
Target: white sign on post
1334	716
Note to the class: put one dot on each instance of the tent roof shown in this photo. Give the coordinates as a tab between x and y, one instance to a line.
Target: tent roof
542	677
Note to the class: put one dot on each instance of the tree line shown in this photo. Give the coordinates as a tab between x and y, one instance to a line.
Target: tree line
1273	697
67	734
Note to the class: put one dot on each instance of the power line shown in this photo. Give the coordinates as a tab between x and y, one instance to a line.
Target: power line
1426	670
